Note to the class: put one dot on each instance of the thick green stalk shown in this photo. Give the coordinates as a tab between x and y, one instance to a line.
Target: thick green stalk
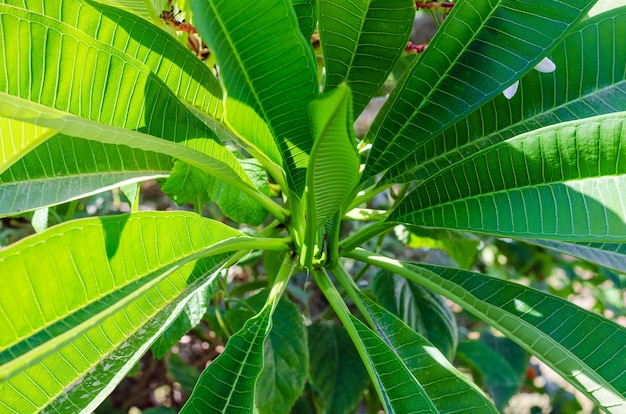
360	237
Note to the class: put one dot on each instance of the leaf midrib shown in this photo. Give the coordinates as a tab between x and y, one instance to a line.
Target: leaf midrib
435	87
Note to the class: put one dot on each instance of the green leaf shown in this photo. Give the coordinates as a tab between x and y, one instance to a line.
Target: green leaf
610	255
185	75
361	41
191	316
460	246
496	373
306	12
90	296
227	384
237	205
17	138
126	104
334	163
421	309
578	88
563	182
182	373
66	168
336	370
270	75
186	183
394	379
449	389
586	349
481	48
286	354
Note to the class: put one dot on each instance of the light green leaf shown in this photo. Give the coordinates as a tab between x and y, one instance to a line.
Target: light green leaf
237	205
65	168
183	73
186	183
450	390
361	41
586	349
336	370
190	316
482	47
90	296
126	104
286	354
564	182
270	75
460	246
227	384
610	255
17	139
334	162
578	88
421	309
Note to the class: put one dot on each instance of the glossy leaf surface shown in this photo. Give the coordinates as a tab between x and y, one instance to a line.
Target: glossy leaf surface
286	355
563	182
334	162
227	384
578	88
586	349
126	104
449	389
270	75
482	48
101	298
63	168
422	310
361	41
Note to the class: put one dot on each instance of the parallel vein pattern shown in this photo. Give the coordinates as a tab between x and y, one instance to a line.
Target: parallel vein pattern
100	291
63	168
269	73
483	47
564	182
578	88
361	41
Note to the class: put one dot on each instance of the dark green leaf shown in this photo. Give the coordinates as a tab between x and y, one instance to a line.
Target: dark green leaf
336	370
237	205
497	375
481	48
421	309
285	354
187	320
227	385
449	389
578	88
563	182
361	41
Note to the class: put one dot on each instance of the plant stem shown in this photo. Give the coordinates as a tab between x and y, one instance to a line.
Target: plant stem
360	237
343	313
282	278
350	286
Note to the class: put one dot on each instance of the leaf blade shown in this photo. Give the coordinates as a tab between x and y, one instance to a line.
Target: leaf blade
481	49
92	309
573	172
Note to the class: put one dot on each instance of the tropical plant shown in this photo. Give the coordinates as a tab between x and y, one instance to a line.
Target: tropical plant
95	96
